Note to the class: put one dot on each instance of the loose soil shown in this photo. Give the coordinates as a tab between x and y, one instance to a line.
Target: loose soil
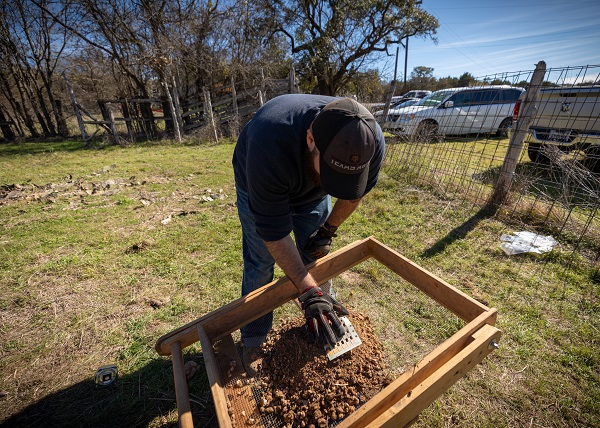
302	388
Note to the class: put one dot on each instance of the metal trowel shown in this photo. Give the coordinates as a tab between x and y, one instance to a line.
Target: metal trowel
349	341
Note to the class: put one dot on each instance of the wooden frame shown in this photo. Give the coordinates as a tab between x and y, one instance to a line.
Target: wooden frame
396	405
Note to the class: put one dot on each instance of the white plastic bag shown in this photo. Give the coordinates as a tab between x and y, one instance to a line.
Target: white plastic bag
526	242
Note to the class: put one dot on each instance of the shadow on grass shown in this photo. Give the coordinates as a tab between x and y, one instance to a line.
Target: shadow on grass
573	188
38	147
143	398
68	145
567	182
458	233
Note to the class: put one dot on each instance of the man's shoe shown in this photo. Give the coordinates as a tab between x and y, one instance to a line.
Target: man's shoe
252	359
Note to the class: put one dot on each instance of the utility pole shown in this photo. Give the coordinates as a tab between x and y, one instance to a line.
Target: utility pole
388	99
405	62
418	2
393	85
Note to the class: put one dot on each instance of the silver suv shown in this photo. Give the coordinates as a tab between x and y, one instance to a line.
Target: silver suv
417	93
481	109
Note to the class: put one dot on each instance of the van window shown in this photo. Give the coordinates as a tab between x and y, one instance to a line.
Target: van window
485	97
509	95
435	98
461	99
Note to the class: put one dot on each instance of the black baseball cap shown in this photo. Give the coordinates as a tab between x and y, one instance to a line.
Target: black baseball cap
344	133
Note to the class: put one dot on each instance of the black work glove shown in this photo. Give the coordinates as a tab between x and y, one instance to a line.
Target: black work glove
319	243
321	311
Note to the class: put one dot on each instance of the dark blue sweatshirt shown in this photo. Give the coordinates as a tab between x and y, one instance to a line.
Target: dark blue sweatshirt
269	161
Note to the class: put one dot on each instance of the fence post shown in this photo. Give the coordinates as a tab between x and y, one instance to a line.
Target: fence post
234	95
76	109
177	113
236	111
261	91
520	128
208	111
292	83
174	120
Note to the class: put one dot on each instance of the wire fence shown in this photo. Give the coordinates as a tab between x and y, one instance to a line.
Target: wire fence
458	143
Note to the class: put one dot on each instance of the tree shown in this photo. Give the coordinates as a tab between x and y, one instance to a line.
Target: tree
422	77
466	79
31	46
446	82
332	40
139	38
367	86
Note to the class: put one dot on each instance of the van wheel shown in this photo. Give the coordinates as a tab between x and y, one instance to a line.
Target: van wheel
502	131
535	152
426	132
592	159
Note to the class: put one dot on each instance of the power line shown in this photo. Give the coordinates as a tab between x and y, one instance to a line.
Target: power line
518	4
506	44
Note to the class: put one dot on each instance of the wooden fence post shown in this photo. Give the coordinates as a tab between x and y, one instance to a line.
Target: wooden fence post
174	120
236	111
76	109
208	111
235	127
261	91
520	128
292	83
177	113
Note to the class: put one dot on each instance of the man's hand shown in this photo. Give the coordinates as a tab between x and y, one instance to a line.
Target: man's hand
322	321
319	244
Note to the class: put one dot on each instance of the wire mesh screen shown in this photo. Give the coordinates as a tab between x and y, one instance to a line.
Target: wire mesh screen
404	323
456	142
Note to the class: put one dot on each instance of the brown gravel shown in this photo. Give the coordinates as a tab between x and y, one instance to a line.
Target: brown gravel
305	389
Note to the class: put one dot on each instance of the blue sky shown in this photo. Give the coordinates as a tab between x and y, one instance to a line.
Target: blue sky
488	37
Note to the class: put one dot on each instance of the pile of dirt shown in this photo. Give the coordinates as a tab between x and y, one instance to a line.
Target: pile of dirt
304	389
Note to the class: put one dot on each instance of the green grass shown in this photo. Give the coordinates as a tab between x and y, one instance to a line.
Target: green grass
103	251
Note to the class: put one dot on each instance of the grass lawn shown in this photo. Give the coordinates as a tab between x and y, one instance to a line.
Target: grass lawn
103	251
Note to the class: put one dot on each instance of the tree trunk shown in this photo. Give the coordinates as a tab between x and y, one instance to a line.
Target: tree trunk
148	119
26	81
61	121
44	112
8	94
27	119
56	104
7	131
125	108
46	115
27	97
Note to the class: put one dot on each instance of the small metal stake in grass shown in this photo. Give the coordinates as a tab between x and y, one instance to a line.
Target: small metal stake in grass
106	375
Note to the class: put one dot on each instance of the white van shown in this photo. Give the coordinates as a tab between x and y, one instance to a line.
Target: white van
481	109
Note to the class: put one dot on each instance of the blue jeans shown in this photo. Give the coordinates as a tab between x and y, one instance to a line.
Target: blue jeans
258	263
